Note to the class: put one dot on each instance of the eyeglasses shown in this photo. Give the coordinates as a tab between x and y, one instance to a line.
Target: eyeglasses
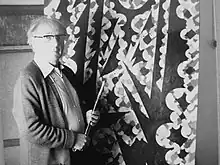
50	37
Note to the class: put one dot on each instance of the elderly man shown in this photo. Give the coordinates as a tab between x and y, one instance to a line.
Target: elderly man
46	104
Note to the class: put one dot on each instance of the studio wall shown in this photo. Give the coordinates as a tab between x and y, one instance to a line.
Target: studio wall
10	66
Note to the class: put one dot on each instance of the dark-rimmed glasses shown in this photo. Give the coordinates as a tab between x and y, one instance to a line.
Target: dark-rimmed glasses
50	37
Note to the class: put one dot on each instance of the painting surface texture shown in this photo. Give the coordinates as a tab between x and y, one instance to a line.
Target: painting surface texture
147	52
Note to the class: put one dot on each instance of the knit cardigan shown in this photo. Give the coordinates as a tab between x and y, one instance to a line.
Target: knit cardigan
40	119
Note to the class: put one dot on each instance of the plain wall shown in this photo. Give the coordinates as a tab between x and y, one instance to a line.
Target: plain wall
2	159
10	65
21	2
217	17
207	119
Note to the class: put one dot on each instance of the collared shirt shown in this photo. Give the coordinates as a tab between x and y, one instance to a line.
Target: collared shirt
68	95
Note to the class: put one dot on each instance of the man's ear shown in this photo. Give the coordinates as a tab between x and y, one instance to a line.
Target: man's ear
30	42
33	43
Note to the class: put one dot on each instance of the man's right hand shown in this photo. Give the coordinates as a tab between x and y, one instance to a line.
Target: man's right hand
81	141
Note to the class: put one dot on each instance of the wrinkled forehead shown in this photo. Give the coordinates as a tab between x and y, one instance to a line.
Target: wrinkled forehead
48	27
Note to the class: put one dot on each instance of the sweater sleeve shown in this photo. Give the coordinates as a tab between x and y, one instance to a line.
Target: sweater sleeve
27	113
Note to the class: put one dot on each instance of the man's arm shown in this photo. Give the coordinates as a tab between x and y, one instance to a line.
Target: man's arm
27	112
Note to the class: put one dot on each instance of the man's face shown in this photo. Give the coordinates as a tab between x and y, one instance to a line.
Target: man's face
48	42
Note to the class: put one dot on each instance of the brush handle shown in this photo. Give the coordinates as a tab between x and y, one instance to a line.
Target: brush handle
89	126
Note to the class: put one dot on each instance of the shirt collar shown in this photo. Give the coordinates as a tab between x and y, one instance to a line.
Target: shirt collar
45	67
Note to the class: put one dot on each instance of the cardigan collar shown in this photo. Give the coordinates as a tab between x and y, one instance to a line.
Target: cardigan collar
46	68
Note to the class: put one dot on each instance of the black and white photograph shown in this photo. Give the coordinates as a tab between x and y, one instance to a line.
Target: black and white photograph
109	82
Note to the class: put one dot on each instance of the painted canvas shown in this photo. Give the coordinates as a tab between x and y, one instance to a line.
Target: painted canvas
147	53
